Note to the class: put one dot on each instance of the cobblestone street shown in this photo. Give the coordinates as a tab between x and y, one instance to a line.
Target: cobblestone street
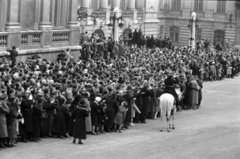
211	132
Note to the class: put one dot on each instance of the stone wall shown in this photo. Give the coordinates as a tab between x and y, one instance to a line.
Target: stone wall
27	24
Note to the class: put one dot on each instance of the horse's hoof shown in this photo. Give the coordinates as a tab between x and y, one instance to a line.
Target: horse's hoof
173	127
161	130
168	130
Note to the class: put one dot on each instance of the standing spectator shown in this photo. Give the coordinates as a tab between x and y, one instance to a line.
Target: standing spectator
194	92
12	103
112	108
26	109
79	117
3	123
13	55
86	96
60	121
122	109
94	115
37	116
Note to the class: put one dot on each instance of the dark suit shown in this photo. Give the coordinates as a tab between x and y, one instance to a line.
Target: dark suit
13	56
112	108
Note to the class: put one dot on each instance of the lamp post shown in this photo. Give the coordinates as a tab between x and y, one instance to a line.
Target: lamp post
193	25
116	18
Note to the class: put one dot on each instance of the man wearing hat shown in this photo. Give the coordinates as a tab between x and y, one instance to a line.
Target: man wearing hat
13	55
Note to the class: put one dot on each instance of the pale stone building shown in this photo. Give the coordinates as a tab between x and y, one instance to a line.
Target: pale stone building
137	14
48	27
39	26
218	20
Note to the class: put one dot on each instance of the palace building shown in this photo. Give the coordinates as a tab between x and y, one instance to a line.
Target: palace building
48	27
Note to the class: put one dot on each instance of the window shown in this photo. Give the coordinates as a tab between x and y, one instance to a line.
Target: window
161	31
174	33
176	4
198	5
198	34
221	5
219	36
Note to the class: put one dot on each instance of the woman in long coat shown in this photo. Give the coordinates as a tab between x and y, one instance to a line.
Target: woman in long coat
79	117
122	109
86	95
60	121
26	109
194	91
3	123
12	118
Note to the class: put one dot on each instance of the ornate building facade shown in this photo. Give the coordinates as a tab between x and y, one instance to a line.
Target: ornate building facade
137	14
50	26
218	20
39	26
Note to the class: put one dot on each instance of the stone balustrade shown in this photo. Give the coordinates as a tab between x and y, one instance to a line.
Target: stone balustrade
3	40
30	38
60	37
24	39
36	37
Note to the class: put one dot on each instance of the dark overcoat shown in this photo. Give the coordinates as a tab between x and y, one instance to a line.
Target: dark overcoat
79	130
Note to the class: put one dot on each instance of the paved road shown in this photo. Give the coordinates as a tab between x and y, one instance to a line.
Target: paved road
212	132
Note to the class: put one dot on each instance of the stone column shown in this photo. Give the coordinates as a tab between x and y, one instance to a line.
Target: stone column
3	12
12	24
45	25
84	4
73	24
103	4
115	3
131	5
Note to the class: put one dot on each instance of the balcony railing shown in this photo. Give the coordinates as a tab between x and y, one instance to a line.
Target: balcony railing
61	37
29	38
24	39
36	37
3	40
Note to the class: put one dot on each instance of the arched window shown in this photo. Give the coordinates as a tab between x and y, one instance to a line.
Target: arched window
198	5
176	4
99	32
221	5
219	36
174	33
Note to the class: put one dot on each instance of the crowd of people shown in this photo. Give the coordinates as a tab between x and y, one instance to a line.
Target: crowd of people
109	88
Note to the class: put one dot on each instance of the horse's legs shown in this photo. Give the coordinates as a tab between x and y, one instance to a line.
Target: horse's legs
173	117
168	120
161	117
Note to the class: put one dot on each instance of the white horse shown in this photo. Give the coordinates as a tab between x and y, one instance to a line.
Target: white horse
168	109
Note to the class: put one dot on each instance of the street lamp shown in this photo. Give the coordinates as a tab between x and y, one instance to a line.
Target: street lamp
192	26
115	22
